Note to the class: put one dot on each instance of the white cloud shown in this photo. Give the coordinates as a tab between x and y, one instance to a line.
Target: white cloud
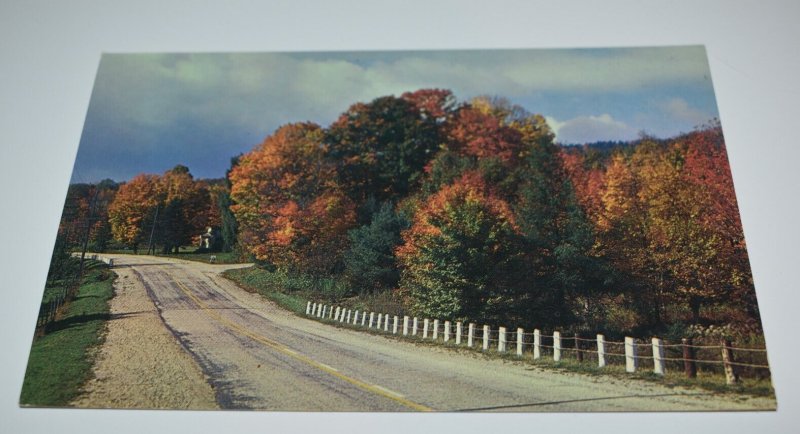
680	110
586	129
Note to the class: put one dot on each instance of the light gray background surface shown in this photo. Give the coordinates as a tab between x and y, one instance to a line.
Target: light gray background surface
49	53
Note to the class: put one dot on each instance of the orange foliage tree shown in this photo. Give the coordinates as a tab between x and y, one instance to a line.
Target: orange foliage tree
290	210
134	205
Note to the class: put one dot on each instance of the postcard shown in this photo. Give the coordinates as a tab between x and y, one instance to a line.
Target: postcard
529	230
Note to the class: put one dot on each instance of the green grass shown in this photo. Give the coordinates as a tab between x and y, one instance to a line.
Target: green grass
270	285
60	362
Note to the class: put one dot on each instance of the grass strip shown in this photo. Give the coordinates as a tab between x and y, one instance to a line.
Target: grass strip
60	361
269	285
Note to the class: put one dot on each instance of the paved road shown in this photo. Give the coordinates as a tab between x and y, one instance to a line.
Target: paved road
258	356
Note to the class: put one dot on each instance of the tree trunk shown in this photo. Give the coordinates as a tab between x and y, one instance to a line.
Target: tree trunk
695	304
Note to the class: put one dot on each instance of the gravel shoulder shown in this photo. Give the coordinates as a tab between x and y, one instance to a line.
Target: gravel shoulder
141	364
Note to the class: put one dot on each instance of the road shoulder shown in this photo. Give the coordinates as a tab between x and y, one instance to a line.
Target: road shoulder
141	364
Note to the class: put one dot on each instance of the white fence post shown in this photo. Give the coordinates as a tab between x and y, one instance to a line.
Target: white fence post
371	319
471	335
501	340
324	311
405	325
556	346
308	307
537	344
394	326
631	361
435	329
347	319
601	351
659	364
380	317
330	312
486	332
446	331
415	328
355	318
425	324
336	315
458	332
520	337
386	322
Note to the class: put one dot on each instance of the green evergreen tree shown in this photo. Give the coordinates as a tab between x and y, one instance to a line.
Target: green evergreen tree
460	257
370	263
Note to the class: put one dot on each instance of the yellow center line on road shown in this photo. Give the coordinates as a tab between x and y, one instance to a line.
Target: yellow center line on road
378	390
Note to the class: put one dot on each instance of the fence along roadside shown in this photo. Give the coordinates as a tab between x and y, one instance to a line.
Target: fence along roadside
735	362
48	311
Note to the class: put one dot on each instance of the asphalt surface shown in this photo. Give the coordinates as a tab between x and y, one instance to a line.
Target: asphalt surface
256	355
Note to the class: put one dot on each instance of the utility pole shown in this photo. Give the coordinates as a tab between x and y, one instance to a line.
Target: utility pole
152	232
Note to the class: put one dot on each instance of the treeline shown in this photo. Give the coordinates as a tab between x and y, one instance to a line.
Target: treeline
159	212
469	210
466	211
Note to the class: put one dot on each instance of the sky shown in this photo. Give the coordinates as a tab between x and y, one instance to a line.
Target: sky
149	112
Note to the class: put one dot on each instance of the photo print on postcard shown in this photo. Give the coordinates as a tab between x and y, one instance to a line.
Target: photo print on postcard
475	230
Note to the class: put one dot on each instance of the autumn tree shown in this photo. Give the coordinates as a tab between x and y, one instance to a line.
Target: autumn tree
513	149
624	236
587	175
458	257
707	169
288	205
481	135
694	231
133	206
